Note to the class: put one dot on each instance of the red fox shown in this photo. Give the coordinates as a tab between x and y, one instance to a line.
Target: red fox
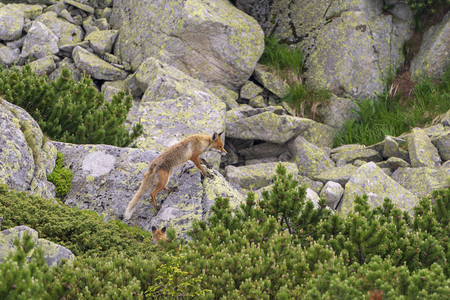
160	168
158	234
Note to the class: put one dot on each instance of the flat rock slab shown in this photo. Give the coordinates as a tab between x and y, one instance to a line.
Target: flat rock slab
107	177
339	174
274	128
254	177
96	67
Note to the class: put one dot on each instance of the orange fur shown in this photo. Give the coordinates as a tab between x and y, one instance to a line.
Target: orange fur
160	168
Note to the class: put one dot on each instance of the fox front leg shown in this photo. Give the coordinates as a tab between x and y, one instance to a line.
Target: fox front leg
207	164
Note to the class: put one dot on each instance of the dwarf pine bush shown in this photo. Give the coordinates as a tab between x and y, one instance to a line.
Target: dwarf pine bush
276	247
69	111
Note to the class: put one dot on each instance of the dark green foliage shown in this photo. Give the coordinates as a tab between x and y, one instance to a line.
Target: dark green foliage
69	111
61	177
24	273
173	282
388	115
83	232
250	252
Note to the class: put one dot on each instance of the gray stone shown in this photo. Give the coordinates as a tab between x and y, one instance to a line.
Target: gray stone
250	90
263	150
371	179
254	177
89	25
66	32
337	110
174	106
107	177
11	22
434	54
111	88
270	81
228	96
316	186
53	253
69	64
395	162
332	192
442	144
84	7
270	127
391	148
257	102
43	66
102	41
310	159
339	174
7	55
422	152
40	41
209	40
26	159
96	67
422	181
352	155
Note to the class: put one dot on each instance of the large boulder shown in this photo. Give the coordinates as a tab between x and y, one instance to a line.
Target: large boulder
25	157
422	152
434	54
257	176
107	177
210	40
39	41
174	106
350	46
53	253
310	159
66	32
422	181
11	22
369	179
271	127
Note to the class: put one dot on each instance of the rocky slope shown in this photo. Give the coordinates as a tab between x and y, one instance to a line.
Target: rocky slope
192	67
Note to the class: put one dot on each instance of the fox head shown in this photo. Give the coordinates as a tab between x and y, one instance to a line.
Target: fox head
158	234
217	142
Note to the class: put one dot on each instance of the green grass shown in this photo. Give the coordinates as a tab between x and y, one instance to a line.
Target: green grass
396	115
284	59
288	63
305	102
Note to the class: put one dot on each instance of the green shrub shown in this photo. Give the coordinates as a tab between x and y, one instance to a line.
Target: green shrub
23	274
83	232
69	111
61	177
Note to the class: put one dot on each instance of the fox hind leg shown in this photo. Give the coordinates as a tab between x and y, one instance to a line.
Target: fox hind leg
163	177
143	188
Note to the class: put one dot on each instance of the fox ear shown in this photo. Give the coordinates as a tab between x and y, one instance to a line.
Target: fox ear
163	229
215	136
220	133
153	228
